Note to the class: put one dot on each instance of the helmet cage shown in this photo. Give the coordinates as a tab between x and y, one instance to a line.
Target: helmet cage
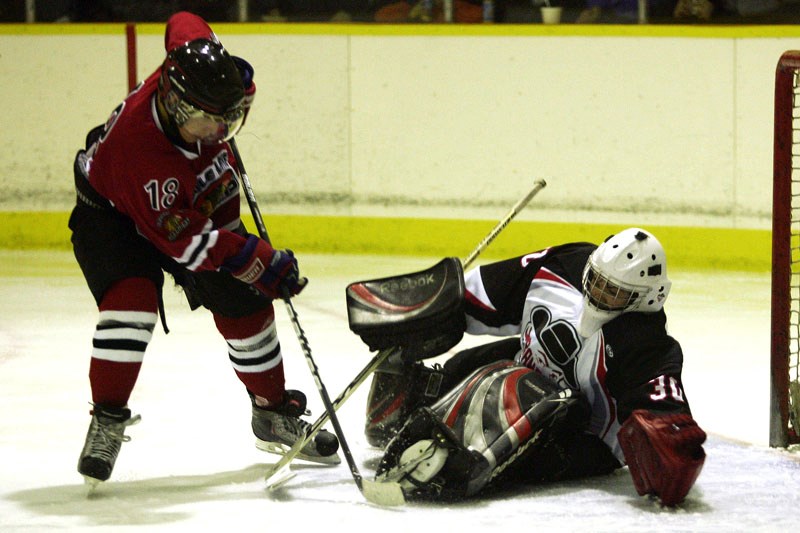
609	295
626	273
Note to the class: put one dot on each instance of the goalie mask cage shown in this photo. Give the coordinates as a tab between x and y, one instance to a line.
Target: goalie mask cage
785	329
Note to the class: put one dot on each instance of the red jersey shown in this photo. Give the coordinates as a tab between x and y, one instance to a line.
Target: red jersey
185	202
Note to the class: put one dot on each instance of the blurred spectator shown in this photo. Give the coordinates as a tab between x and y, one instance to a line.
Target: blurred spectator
752	7
622	11
151	10
699	9
311	10
505	11
464	11
12	11
49	11
123	10
212	10
53	11
737	11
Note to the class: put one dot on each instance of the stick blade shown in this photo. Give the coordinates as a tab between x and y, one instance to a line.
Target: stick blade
386	494
279	478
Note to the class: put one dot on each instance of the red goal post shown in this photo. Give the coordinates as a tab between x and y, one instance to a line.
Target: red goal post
784	428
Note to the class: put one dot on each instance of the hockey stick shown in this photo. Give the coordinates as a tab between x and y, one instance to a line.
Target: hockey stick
380	493
289	456
248	193
383	355
383	493
538	186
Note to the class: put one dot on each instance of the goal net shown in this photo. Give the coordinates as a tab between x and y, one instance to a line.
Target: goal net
785	377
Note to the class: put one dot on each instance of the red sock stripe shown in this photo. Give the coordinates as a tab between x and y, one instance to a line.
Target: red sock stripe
112	382
244	327
132	294
269	384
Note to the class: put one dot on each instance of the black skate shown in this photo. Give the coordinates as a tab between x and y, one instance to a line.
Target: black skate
397	390
277	429
103	441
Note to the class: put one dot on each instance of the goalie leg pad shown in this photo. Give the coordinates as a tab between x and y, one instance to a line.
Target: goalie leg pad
430	463
664	453
397	390
490	420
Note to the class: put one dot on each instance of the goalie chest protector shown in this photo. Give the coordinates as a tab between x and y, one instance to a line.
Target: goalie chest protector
422	313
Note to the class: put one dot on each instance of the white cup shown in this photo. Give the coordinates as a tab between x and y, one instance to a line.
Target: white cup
551	15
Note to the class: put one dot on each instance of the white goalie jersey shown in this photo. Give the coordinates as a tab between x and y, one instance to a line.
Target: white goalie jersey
630	363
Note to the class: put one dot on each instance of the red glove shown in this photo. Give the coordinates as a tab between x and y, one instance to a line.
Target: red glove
664	453
273	272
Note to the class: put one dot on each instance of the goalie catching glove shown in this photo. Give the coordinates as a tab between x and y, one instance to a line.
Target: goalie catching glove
664	453
273	272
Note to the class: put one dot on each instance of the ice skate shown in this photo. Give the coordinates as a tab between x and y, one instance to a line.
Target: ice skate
103	441
278	429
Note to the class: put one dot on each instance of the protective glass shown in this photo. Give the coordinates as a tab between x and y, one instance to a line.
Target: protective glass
210	128
606	295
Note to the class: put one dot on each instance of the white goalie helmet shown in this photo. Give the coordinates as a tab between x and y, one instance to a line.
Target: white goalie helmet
628	272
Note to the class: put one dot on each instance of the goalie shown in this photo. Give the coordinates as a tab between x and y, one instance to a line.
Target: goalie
588	382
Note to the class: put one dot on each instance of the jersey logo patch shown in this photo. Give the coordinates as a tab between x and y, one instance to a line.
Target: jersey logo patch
172	225
226	188
560	346
218	175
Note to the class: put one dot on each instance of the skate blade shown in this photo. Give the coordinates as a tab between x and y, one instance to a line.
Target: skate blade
281	449
91	484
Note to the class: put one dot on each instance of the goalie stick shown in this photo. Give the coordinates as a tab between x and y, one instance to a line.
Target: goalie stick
282	466
538	186
379	493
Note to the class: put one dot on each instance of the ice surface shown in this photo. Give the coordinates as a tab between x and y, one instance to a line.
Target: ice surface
191	464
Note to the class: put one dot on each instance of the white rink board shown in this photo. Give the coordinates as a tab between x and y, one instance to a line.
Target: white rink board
394	124
477	118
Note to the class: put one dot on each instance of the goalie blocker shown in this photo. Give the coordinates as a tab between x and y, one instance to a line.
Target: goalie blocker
501	413
422	313
664	453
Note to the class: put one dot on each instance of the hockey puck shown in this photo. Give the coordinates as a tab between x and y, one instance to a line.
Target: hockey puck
327	443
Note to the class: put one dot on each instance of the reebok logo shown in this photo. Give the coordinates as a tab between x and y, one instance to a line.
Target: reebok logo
405	284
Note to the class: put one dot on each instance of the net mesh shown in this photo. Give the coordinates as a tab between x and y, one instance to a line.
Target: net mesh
794	312
785	341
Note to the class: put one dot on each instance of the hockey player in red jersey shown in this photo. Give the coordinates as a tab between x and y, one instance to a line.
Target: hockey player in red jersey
158	191
588	381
